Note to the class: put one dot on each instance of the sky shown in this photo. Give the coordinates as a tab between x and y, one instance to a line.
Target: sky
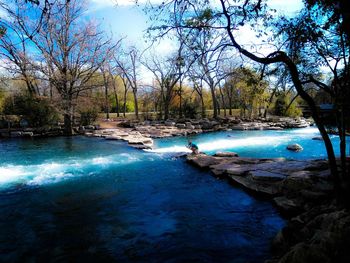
123	18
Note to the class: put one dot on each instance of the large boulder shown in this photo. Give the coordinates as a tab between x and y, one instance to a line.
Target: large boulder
295	147
169	123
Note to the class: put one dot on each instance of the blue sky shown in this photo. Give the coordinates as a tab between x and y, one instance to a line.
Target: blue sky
124	19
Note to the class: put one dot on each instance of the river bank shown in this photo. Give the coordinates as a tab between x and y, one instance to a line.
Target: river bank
141	134
317	230
160	129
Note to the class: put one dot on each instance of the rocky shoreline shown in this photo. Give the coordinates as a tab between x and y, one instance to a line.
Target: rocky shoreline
162	129
141	134
318	230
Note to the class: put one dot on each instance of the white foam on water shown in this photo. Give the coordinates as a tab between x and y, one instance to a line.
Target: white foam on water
172	149
244	142
45	178
309	130
11	173
53	172
231	143
101	160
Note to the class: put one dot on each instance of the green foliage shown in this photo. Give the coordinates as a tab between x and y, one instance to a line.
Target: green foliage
284	107
2	100
38	111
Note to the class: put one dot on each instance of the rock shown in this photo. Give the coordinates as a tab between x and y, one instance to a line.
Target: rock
89	127
169	123
206	125
318	138
190	127
296	183
27	134
287	205
181	126
217	173
226	154
274	128
304	253
141	146
16	134
270	188
314	196
239	127
202	160
238	170
266	176
295	147
140	141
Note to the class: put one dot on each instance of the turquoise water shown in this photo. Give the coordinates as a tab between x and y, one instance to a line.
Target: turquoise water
88	199
258	144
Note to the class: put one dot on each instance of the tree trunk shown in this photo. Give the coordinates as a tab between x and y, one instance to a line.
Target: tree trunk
116	100
218	107
68	116
230	105
107	101
180	98
166	111
124	104
202	107
134	91
68	129
215	105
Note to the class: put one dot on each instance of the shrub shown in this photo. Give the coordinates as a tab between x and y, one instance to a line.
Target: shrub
88	116
38	111
189	110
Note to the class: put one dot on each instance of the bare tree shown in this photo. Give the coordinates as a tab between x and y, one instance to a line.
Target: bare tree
129	65
167	76
17	60
70	49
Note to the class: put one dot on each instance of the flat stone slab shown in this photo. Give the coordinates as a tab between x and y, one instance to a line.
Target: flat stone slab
226	154
260	175
273	188
202	160
238	170
287	205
